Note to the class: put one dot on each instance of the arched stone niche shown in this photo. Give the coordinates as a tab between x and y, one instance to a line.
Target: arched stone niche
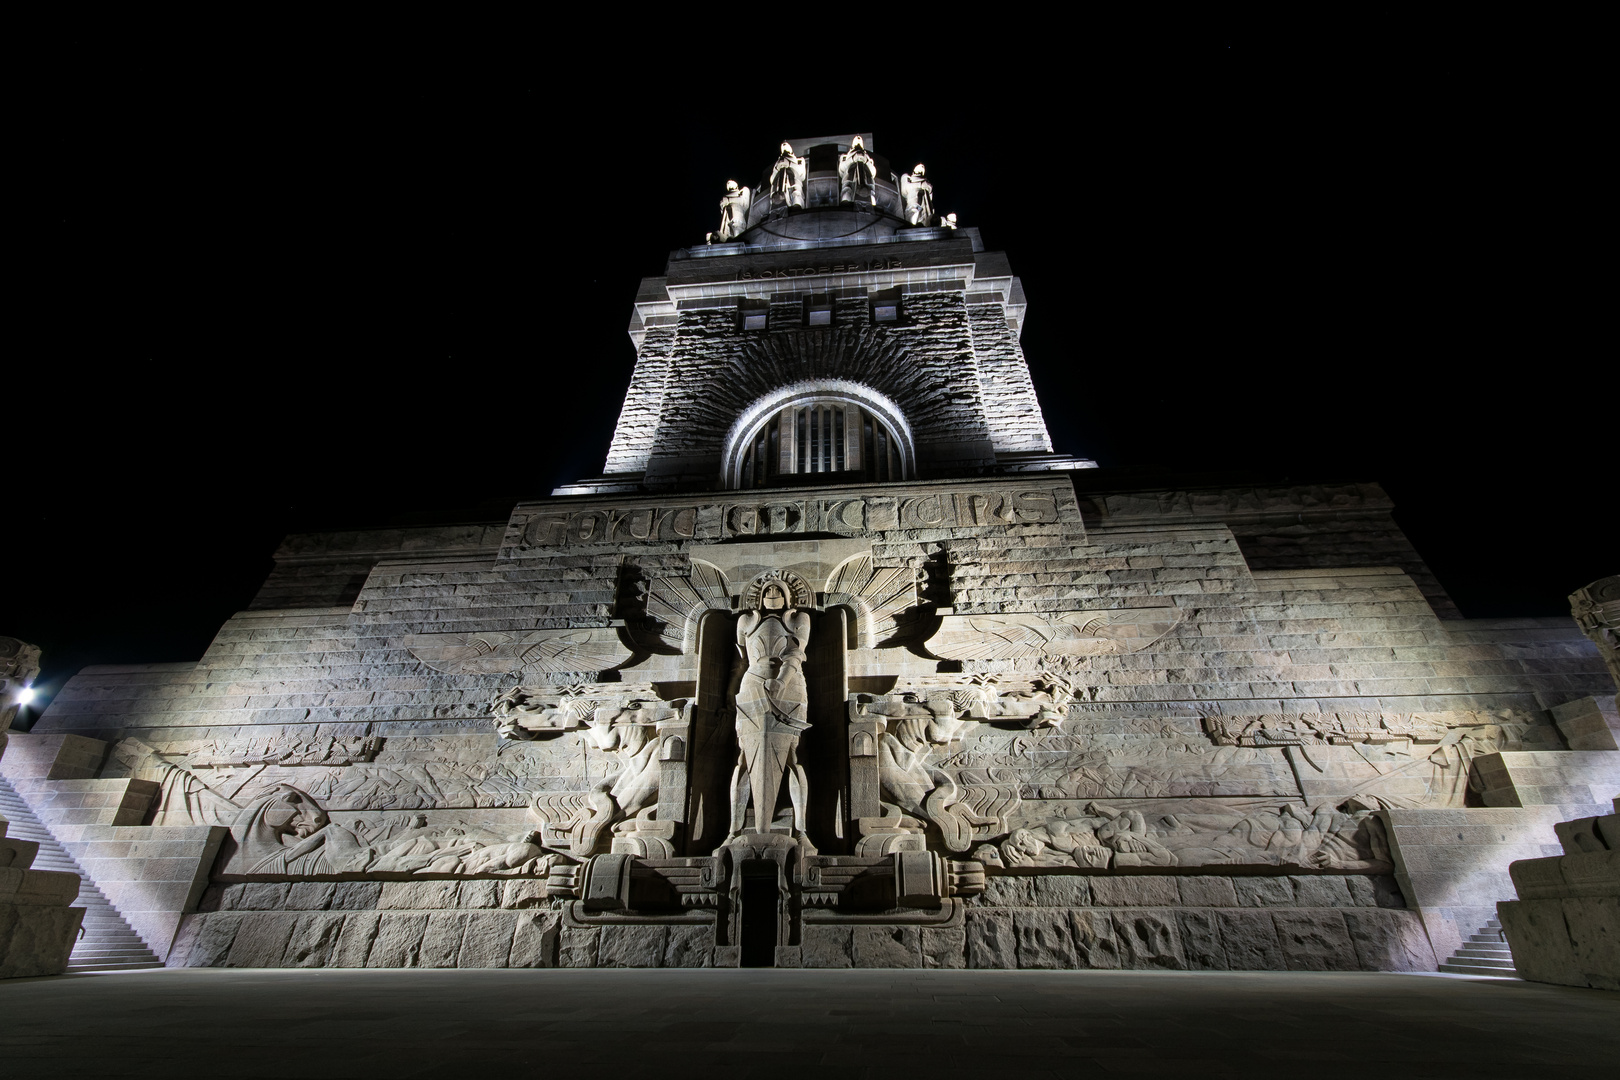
821	426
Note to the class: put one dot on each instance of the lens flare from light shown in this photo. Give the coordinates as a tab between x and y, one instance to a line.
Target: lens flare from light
25	695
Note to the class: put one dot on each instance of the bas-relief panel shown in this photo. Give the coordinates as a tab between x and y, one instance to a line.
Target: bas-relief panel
1283	790
543	527
583	785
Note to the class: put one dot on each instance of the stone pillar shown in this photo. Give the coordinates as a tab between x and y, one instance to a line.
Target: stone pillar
1565	925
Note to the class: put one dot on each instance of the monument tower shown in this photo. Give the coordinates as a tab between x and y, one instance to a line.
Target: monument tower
836	663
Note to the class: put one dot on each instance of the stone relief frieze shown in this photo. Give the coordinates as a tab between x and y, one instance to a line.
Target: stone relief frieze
1190	833
284	751
287	833
903	776
197	794
646	739
1076	633
1373	760
285	830
849	516
566	651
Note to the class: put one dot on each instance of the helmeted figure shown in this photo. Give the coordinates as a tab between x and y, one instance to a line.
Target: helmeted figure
787	179
857	174
918	195
733	213
772	709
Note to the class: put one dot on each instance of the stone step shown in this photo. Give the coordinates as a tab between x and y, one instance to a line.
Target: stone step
1475	969
142	965
1484	953
1482	961
1494	955
106	942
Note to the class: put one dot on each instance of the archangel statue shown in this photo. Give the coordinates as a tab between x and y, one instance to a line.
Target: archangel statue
772	710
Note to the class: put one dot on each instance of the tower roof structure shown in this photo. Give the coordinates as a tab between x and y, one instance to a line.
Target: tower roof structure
836	285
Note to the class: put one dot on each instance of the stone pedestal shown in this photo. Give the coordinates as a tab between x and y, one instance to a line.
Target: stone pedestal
1565	926
37	927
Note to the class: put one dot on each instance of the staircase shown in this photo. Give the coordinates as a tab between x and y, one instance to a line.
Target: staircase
1484	953
106	943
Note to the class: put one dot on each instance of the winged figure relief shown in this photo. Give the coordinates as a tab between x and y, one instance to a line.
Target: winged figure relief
677	604
879	594
1017	635
590	649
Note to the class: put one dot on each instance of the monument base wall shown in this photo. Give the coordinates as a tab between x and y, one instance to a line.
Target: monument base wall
1029	921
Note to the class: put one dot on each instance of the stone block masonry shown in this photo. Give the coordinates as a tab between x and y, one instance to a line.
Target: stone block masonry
833	668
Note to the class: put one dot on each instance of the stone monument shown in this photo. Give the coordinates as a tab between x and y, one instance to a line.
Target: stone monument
839	663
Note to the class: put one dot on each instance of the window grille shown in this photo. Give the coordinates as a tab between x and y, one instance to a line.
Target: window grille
835	438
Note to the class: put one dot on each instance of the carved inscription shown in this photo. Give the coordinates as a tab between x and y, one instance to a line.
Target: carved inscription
855	267
845	517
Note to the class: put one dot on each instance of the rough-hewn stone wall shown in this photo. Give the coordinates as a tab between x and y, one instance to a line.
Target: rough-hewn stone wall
292	697
1012	411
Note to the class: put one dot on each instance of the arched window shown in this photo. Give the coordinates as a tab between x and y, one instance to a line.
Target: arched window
822	437
786	438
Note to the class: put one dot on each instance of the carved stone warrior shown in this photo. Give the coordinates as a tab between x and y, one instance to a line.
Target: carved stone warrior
857	174
733	213
787	179
772	710
918	194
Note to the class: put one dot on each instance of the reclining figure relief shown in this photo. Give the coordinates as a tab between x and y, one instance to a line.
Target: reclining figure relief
286	833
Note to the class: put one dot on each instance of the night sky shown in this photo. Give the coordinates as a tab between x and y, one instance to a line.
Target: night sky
301	295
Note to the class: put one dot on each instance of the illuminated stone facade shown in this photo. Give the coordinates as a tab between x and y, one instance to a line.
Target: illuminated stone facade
838	664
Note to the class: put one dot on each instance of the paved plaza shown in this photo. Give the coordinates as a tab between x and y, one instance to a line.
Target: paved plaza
788	1024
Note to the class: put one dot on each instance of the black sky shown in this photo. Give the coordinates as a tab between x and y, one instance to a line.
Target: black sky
295	295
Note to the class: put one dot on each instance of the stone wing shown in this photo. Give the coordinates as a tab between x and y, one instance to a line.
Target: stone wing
991	637
591	649
677	604
879	595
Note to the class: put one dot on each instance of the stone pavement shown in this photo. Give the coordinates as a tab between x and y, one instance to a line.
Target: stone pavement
788	1024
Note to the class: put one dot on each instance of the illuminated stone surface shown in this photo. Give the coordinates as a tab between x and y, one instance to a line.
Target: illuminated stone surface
1027	714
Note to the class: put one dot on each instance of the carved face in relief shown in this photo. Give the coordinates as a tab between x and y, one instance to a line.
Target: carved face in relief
918	171
294	812
731	187
773	597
